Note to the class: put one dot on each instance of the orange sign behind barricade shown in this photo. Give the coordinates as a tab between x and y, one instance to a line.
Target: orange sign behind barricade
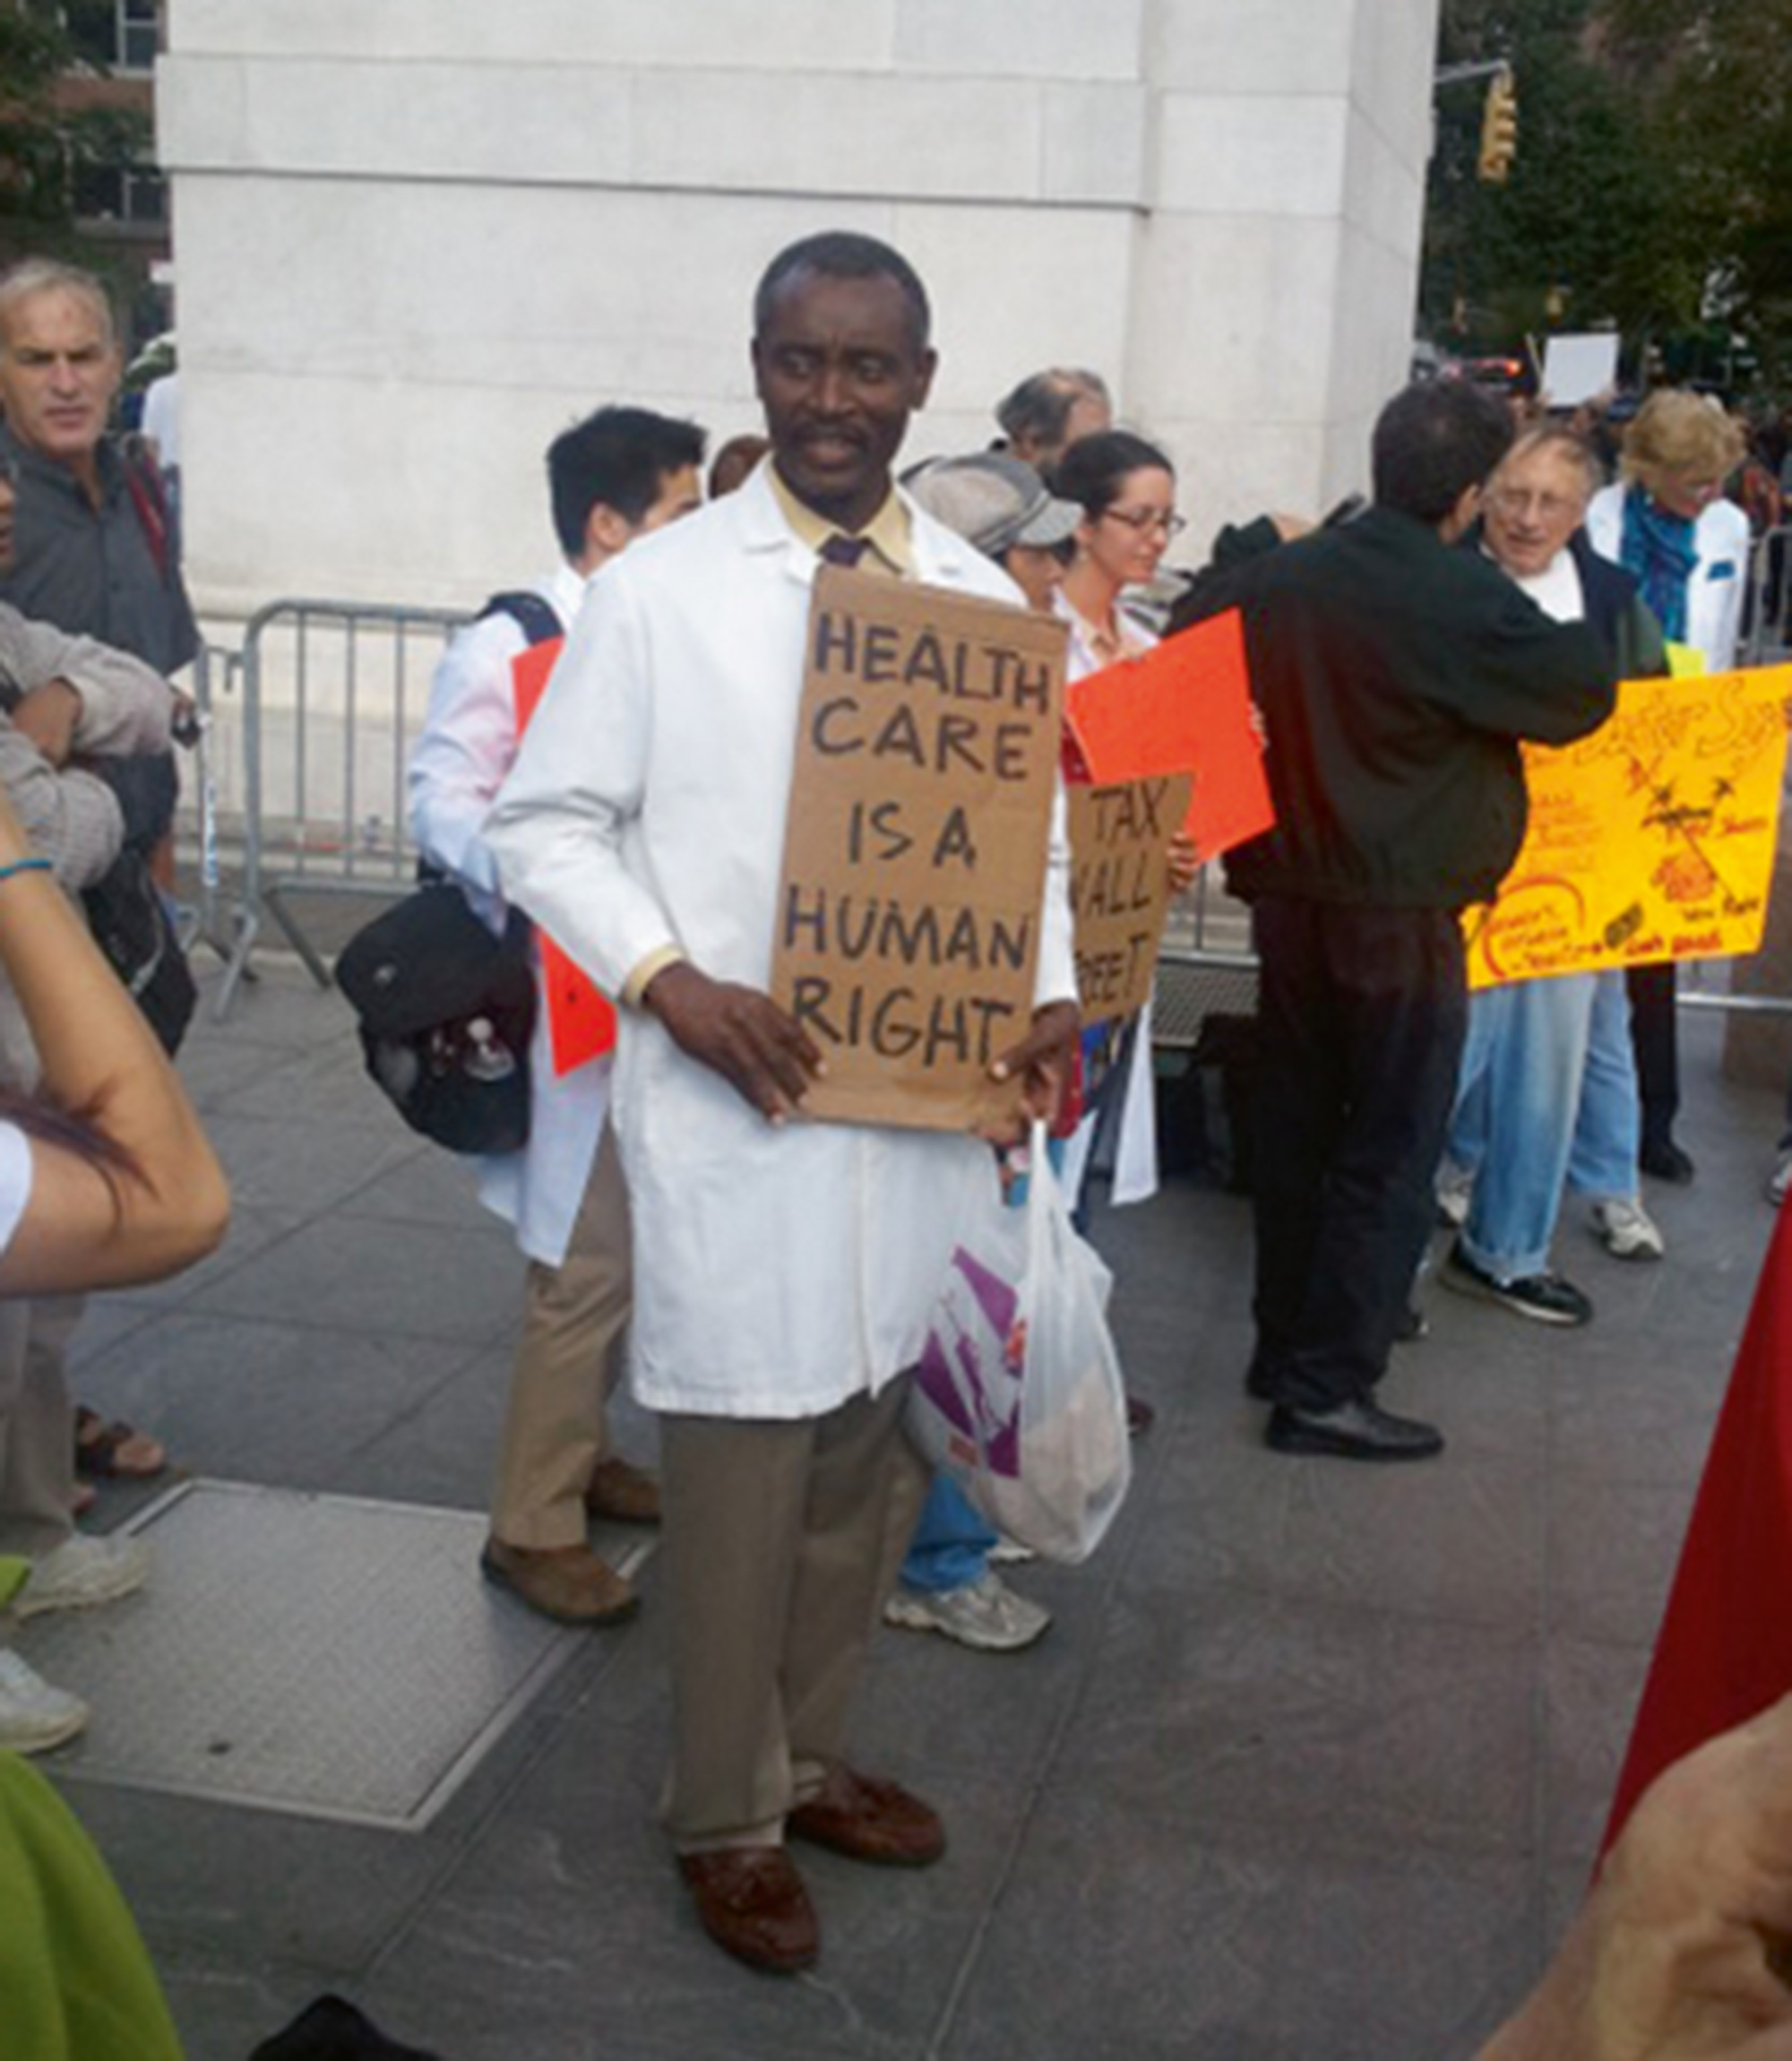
581	1022
1651	840
1182	707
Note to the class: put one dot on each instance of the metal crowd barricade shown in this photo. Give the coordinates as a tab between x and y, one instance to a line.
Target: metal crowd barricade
201	921
1205	968
332	693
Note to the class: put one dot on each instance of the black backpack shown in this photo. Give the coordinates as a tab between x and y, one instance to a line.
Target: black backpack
445	1012
447	1007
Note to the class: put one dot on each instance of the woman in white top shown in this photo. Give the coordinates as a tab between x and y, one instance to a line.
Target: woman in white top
1126	489
1667	523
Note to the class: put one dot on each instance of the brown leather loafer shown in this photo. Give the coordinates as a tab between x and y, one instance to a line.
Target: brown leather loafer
869	1819
568	1583
753	1904
624	1493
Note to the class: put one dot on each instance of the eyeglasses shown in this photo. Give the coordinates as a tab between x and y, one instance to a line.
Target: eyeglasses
1542	507
1143	519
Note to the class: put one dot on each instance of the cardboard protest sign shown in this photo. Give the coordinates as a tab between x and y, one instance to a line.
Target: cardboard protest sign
1120	887
1182	707
1651	840
581	1022
915	846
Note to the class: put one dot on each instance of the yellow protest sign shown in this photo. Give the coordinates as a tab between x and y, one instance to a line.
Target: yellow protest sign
1650	839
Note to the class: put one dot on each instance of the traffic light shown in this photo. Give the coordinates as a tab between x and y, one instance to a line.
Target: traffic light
1499	128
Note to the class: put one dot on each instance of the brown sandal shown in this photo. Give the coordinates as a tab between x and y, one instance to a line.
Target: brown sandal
117	1452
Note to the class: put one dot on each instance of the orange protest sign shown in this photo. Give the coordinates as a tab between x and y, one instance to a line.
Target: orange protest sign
1651	840
1182	707
581	1023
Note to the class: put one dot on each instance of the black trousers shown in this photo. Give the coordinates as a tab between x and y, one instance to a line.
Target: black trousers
1361	1018
1654	1038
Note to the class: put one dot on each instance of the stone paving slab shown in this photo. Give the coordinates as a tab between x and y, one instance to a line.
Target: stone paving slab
1310	1766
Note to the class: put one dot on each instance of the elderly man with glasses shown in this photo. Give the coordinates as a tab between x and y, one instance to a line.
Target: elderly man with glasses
1539	1053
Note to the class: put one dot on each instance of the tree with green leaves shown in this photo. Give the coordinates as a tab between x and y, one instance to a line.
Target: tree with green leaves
1717	77
1594	224
48	139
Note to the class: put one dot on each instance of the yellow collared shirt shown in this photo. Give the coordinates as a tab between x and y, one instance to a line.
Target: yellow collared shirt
893	549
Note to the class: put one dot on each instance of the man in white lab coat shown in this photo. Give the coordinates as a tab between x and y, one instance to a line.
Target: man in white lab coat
785	1270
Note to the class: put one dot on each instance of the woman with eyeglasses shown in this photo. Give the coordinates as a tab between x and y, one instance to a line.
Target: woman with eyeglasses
1126	489
1666	522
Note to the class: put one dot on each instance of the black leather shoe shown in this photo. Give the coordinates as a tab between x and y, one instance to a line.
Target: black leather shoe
1351	1431
1662	1158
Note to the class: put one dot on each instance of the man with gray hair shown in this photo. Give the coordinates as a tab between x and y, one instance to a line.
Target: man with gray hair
1048	412
94	548
1547	1094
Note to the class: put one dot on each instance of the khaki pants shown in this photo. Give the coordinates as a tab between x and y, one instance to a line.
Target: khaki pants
568	1363
782	1542
37	1424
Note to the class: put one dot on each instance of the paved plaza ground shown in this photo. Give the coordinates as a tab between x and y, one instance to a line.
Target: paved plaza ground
1309	1768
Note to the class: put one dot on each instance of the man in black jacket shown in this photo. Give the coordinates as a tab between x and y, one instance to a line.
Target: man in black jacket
1396	676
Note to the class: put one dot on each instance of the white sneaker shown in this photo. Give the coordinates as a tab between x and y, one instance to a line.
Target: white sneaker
1455	1191
1779	1180
1627	1230
33	1716
1008	1552
985	1614
83	1572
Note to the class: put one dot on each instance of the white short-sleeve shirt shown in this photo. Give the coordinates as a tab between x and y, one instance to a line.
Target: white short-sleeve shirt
15	1179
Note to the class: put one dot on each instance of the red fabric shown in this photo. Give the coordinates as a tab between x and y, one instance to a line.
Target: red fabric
1725	1649
581	1022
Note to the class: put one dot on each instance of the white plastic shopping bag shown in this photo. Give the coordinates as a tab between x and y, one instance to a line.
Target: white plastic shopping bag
1018	1393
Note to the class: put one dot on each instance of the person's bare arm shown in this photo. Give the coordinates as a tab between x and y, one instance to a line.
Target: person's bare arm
1683	1950
170	1205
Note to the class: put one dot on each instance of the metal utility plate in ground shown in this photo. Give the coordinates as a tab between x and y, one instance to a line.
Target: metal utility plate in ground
323	1655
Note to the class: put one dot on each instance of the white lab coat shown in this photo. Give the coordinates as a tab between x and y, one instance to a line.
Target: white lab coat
1720	579
778	1270
1135	1134
457	766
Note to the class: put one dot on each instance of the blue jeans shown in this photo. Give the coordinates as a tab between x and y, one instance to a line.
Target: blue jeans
1513	1125
1548	1097
950	1546
1608	1133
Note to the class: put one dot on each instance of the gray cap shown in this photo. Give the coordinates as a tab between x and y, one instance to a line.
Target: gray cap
994	502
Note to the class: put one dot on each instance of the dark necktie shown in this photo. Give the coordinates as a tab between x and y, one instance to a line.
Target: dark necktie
840	549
